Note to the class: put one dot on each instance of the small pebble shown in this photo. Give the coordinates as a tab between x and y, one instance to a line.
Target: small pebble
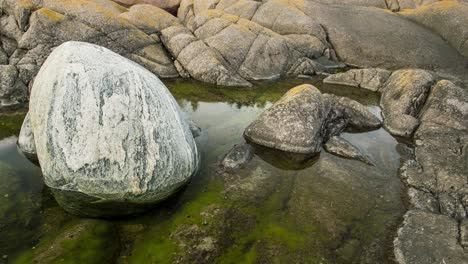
5	256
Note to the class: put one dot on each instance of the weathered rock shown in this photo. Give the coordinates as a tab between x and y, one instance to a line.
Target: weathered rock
448	19
341	147
428	238
402	99
12	91
464	233
26	143
169	5
237	157
109	136
370	79
421	200
303	119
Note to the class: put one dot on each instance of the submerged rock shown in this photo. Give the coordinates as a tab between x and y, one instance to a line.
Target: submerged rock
304	119
237	157
109	136
402	98
370	79
26	143
341	147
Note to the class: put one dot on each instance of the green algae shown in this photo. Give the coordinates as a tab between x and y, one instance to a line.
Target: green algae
80	241
10	124
272	212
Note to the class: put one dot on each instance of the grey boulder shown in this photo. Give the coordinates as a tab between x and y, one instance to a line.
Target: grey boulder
110	137
402	98
304	118
237	157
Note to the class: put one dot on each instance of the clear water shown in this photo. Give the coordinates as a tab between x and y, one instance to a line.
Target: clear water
329	210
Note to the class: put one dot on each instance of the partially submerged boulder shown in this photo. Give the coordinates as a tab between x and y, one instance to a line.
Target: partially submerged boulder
110	137
304	119
371	79
402	98
341	147
237	157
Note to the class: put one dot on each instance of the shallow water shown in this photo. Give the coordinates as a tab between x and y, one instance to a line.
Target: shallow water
330	210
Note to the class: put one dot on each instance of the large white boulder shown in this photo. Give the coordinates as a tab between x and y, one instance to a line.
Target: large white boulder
110	137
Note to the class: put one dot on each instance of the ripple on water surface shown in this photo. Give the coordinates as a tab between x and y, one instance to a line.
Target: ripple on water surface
327	210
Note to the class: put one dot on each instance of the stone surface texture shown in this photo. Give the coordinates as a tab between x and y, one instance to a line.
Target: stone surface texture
402	98
107	132
237	157
370	79
26	142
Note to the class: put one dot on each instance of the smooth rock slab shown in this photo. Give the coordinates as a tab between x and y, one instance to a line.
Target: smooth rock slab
109	136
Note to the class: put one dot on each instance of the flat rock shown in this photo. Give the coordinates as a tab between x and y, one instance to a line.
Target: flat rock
106	149
402	98
304	119
343	148
428	238
169	5
370	79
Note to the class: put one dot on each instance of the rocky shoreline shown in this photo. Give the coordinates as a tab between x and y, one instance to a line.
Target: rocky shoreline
413	53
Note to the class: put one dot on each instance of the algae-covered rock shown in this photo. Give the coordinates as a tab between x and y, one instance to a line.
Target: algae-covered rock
81	241
110	137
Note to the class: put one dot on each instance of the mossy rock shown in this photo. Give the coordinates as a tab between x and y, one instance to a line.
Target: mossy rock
81	241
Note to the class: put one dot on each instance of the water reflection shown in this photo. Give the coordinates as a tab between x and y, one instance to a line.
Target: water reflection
327	209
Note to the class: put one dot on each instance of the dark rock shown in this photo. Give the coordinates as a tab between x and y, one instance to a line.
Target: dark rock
341	147
237	157
421	200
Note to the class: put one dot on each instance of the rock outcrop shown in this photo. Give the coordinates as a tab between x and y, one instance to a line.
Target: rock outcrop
370	79
402	98
109	136
13	92
304	119
438	180
448	19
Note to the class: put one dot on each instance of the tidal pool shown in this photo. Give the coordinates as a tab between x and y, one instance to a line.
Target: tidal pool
328	210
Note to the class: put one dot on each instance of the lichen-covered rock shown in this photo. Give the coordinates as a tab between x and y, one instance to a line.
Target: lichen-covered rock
428	238
169	5
26	143
402	98
341	147
303	119
109	136
370	79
